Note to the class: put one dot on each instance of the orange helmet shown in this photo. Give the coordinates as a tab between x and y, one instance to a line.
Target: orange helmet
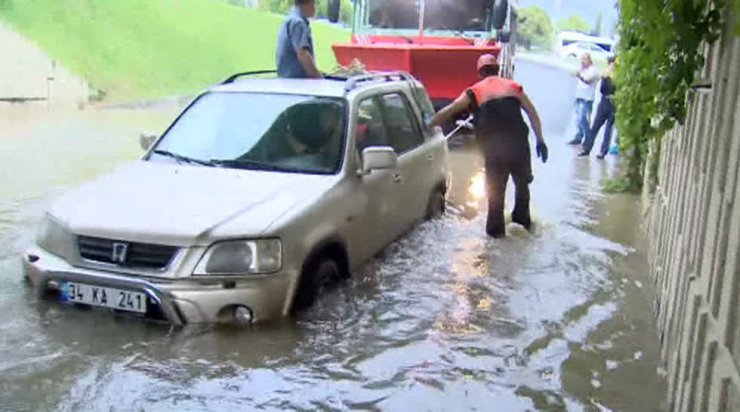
487	60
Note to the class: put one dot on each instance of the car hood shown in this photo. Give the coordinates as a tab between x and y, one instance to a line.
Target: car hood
183	205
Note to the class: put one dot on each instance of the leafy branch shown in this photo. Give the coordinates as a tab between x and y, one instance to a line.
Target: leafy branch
660	57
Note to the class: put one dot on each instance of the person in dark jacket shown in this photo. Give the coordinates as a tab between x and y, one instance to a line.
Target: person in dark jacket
503	136
604	114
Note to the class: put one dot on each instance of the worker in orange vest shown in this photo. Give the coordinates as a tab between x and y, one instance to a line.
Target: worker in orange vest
503	136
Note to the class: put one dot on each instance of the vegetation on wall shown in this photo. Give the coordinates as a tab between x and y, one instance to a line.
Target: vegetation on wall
660	57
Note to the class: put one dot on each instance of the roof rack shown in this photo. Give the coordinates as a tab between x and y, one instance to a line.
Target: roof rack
232	78
353	81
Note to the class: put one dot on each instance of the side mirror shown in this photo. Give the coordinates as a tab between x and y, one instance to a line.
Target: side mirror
332	10
499	14
504	36
146	140
378	158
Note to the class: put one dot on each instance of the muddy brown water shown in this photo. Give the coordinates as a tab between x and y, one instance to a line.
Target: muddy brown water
444	319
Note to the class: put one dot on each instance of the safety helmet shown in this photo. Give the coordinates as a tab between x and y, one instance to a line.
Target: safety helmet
487	60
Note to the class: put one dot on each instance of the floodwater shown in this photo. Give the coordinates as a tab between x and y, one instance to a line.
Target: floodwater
444	319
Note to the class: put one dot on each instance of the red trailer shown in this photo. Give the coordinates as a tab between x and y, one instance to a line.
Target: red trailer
437	41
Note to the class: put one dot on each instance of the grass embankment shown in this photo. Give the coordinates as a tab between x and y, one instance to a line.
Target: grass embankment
134	49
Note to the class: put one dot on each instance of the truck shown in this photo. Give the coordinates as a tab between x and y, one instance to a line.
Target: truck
436	41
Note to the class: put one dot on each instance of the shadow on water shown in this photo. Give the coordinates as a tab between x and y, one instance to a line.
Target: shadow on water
444	319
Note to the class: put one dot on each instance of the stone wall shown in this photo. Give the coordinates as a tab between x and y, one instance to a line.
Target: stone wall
693	227
27	75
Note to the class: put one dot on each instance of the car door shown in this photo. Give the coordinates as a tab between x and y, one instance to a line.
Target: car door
374	194
411	177
434	146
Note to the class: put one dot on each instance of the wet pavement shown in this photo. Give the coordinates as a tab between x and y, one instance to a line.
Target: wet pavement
444	319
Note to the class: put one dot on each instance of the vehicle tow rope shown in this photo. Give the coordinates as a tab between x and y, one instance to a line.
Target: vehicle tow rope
467	124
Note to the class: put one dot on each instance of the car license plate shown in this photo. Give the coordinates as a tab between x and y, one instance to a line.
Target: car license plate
105	297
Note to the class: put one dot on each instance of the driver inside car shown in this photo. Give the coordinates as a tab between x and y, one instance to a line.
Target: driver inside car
314	135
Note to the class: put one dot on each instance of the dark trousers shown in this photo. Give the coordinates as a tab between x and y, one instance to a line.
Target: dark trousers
604	114
497	175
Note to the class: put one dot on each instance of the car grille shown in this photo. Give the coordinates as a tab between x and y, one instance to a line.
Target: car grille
137	255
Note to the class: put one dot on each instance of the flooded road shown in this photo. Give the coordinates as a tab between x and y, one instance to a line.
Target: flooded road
444	319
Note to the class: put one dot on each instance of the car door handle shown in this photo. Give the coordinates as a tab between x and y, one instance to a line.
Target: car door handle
397	178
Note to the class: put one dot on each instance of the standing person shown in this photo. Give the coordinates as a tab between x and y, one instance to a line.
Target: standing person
604	114
295	55
503	137
587	76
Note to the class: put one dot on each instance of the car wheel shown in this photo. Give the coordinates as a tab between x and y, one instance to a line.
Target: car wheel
318	276
437	205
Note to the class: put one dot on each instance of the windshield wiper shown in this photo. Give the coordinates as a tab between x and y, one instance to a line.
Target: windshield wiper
181	158
247	164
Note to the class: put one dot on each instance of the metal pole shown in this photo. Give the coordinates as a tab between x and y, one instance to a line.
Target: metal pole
422	11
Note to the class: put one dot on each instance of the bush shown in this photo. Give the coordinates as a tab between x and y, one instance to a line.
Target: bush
534	28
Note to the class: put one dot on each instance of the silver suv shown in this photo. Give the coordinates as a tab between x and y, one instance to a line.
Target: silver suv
260	194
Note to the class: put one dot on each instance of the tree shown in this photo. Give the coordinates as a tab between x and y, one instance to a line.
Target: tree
574	23
284	7
598	28
534	27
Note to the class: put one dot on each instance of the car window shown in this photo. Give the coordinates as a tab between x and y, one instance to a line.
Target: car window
425	104
403	130
370	128
275	132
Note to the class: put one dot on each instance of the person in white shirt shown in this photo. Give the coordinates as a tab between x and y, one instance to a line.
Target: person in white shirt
587	76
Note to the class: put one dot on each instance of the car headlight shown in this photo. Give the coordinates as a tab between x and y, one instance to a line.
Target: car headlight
241	257
55	238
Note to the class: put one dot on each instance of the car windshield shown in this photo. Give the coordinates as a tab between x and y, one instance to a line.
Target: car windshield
257	131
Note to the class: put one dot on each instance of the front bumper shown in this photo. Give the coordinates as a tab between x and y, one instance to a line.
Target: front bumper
179	301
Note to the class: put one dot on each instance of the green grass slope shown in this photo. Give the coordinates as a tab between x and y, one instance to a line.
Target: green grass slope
134	49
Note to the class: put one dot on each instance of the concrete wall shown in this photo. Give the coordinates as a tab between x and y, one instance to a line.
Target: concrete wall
693	227
28	75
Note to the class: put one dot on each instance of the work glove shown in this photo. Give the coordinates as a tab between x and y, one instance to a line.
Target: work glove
542	151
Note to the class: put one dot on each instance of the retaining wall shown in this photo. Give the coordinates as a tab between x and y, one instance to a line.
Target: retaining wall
27	75
693	228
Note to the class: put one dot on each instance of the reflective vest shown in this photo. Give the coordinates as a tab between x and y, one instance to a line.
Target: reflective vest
500	128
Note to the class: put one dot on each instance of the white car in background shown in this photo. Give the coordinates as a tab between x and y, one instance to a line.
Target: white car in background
576	49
